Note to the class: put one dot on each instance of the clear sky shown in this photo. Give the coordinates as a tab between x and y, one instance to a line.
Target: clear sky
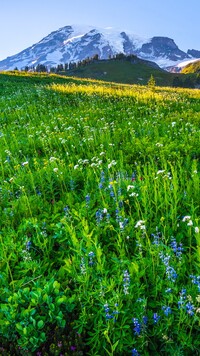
23	23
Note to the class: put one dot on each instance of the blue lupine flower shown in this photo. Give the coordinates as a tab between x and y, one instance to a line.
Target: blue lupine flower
190	309
122	224
144	320
183	293
156	318
171	273
120	202
118	217
28	245
91	261
87	199
66	210
135	352
107	309
112	194
168	290
164	258
137	326
102	177
176	248
167	310
156	238
196	280
180	303
126	283
99	216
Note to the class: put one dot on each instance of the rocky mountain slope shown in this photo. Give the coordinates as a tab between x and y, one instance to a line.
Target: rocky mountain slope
75	43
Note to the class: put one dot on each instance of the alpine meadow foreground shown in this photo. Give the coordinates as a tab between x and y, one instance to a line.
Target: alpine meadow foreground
99	206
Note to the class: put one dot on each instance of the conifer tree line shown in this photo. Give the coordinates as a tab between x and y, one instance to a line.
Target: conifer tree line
178	81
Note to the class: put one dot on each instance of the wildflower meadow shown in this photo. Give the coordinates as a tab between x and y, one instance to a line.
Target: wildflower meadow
99	227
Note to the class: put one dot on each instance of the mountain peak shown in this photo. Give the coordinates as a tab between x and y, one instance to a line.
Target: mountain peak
73	43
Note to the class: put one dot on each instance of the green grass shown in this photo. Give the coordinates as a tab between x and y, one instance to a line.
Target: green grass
99	229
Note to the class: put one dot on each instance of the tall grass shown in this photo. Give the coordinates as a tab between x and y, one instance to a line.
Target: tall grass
100	243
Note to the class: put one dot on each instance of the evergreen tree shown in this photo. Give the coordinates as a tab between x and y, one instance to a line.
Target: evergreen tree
41	68
151	83
96	57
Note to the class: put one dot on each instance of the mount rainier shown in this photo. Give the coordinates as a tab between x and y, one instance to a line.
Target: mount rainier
75	43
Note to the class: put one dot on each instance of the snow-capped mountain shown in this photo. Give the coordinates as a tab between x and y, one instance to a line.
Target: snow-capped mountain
75	43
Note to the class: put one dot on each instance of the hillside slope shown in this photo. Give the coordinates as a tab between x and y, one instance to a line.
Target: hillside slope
131	70
135	71
192	68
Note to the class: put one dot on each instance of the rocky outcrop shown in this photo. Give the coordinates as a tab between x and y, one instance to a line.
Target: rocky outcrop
162	47
194	53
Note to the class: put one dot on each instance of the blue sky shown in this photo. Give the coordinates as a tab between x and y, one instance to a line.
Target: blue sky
23	23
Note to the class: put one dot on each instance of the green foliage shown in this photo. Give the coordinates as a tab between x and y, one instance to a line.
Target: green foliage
99	230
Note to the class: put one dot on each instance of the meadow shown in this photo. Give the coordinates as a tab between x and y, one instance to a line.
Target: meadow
99	228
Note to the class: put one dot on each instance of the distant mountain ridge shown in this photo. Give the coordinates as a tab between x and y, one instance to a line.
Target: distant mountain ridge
74	43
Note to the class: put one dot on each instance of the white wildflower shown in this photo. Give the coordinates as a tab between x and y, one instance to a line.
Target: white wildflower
161	171
121	225
196	229
133	195
52	159
130	187
186	217
141	225
190	223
